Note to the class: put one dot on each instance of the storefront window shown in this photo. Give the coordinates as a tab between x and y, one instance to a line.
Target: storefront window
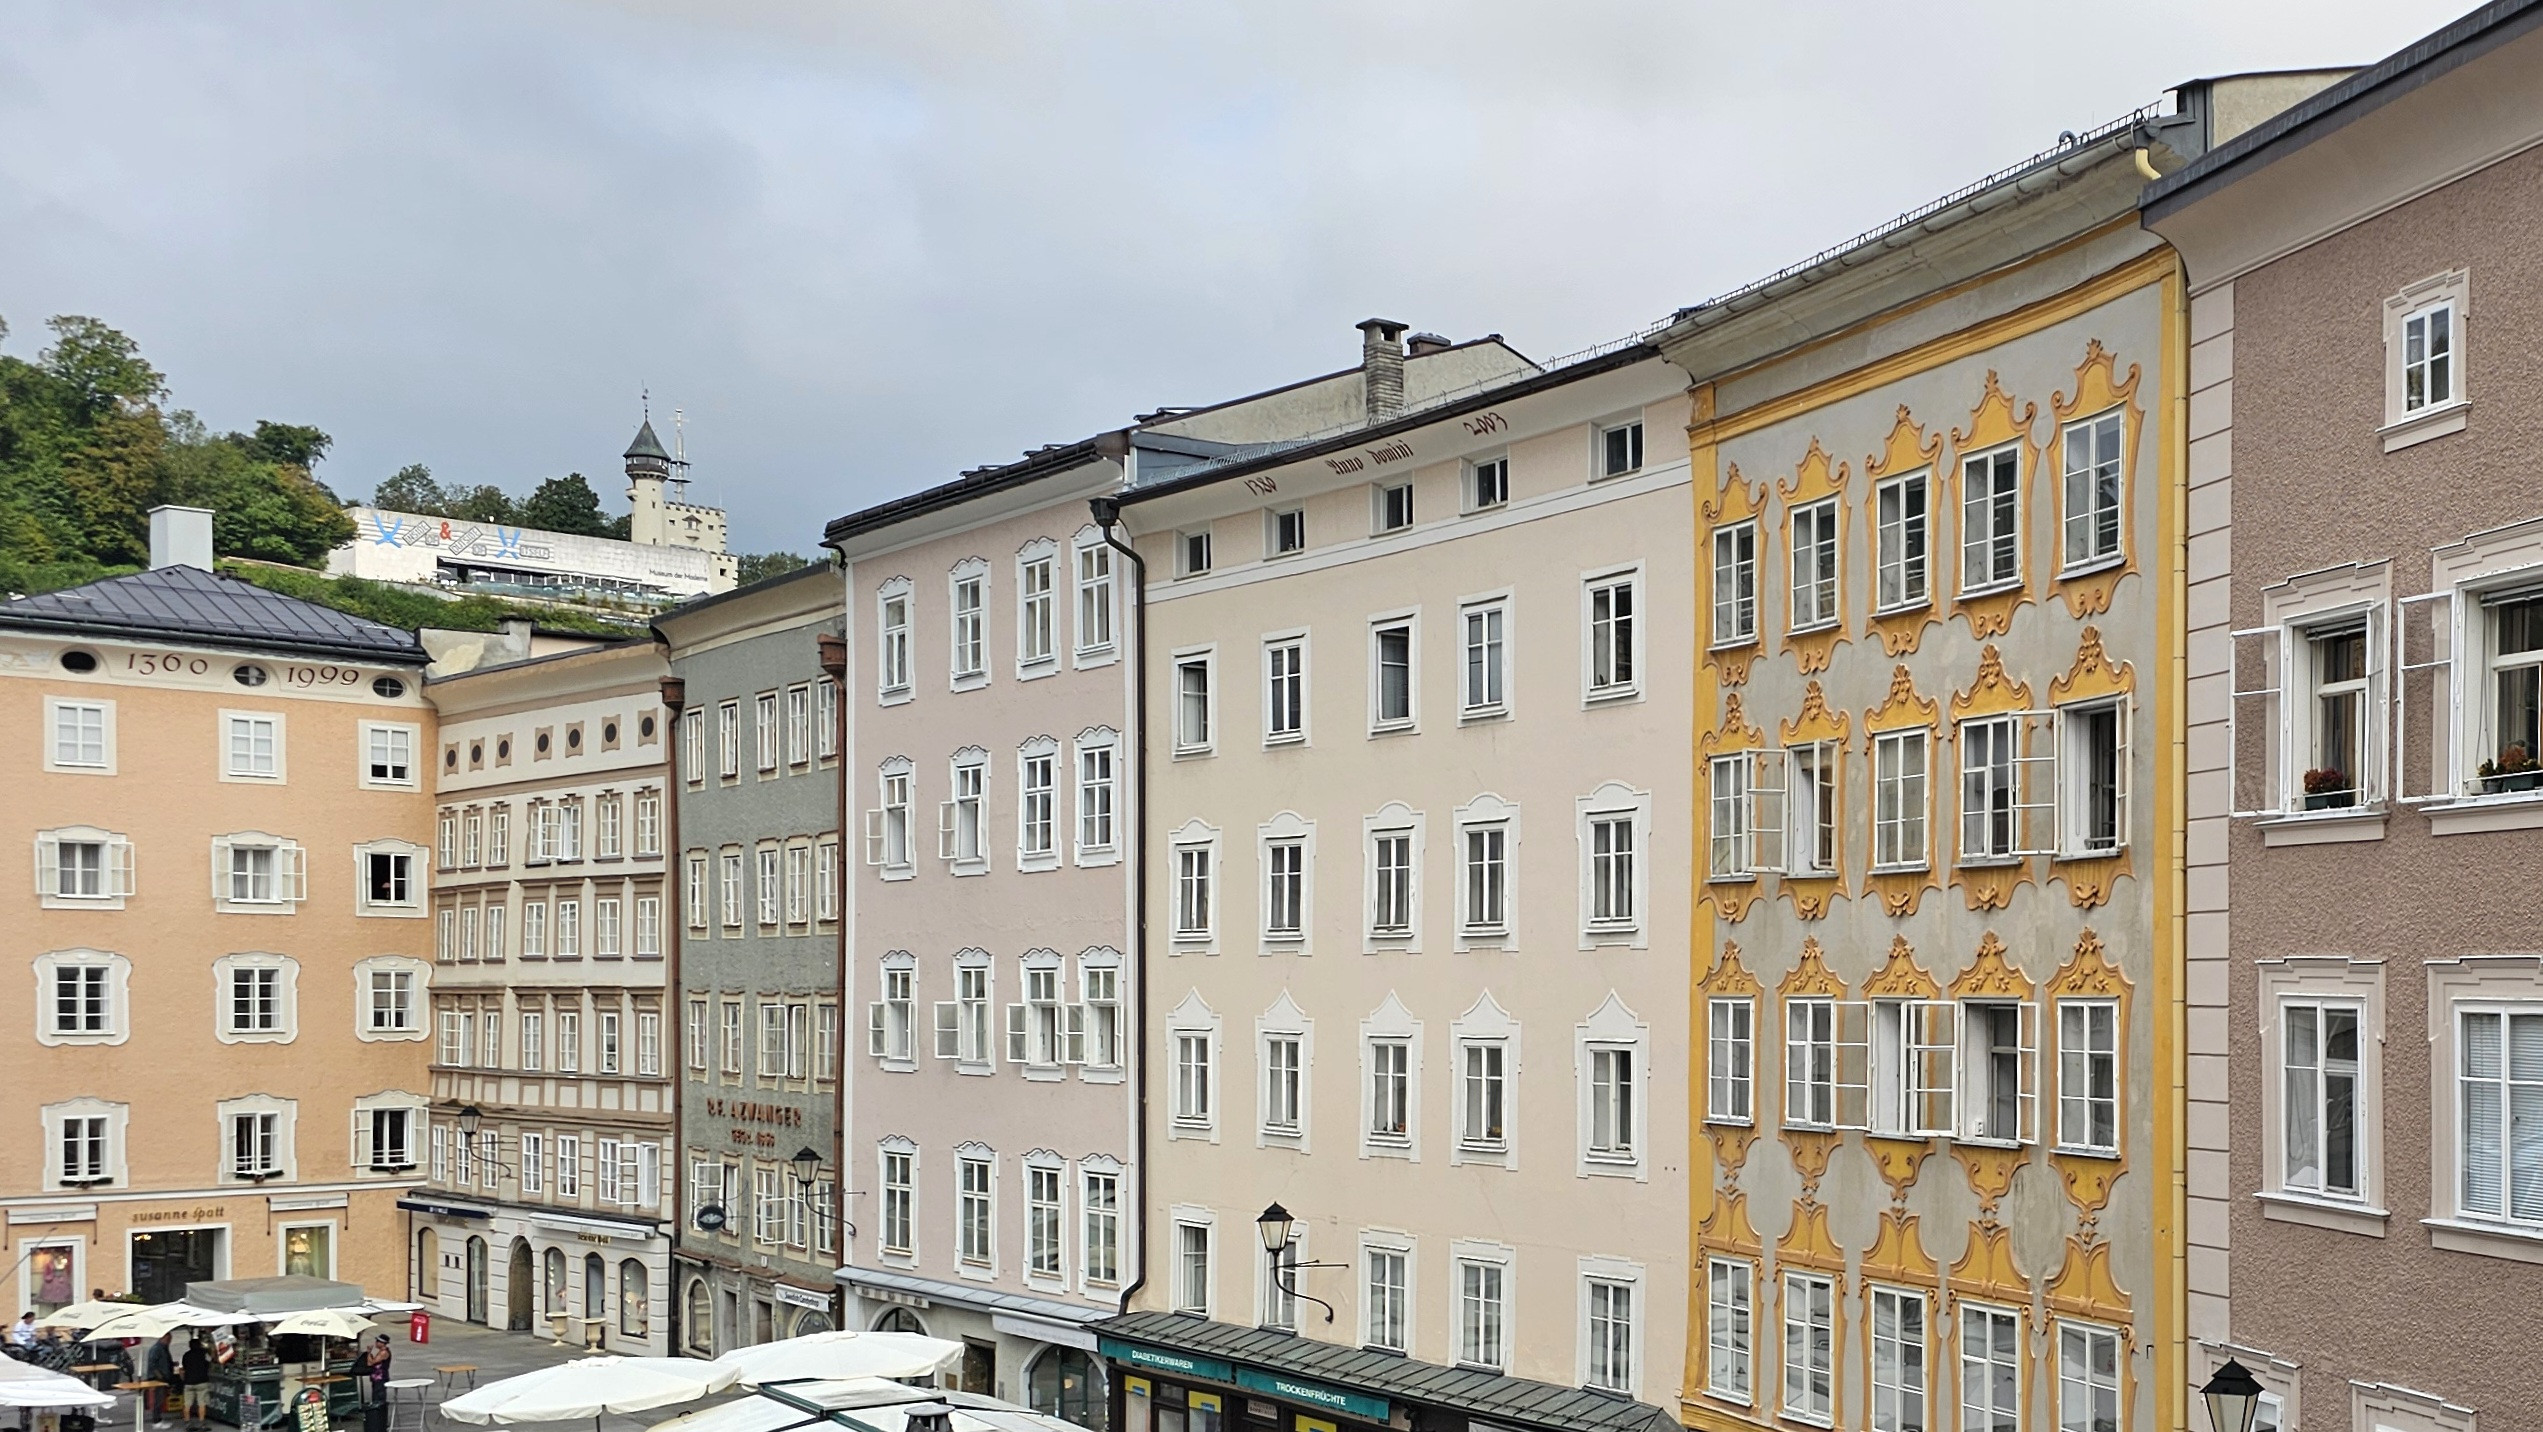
1062	1383
53	1277
165	1260
634	1312
309	1250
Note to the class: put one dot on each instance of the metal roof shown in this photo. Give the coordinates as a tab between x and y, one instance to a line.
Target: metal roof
188	604
1487	1395
2397	74
646	444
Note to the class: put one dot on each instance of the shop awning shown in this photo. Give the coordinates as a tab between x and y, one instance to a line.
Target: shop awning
1279	1357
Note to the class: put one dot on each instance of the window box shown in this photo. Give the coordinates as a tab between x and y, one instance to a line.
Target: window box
2492	785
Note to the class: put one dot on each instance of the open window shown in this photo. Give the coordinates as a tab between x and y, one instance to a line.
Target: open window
2008	786
1827	1064
1999	1071
1914	1055
2092	778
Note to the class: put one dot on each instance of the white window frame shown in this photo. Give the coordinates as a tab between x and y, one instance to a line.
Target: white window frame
1611	1034
1730	1052
1611	810
1184	665
1486	629
2022	787
1480	1327
2096	1389
1095	805
1394	821
276	763
418	877
897	1212
1286	685
962	818
1039	755
372	734
891	1022
2074	773
1194	893
1280	525
1046	1262
1899	1403
975	1211
1097	1021
1624	434
115	868
114	984
1284	1027
1409	622
2324	982
1484	1026
891	845
1192	1049
1386	513
1734	578
1983	1062
112	1169
1397	1251
2088	519
892	681
1278	842
1807	1390
967	624
366	1024
1824	549
1610	1289
1730	1330
1099	1179
2081	1066
1091	568
2406	423
280	1160
79	708
1991	1364
1893	525
1902	800
1192	1270
1195	552
1475	923
1611	641
1391	1027
1980	577
1037	609
1487	484
289	874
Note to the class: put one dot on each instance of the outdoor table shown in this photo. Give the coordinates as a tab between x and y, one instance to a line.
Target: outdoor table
140	1397
406	1403
453	1374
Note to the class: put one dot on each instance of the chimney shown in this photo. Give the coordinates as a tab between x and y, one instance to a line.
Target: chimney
1382	368
181	537
1421	343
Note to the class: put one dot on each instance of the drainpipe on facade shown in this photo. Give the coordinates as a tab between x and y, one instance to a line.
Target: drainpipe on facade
834	664
1107	512
675	694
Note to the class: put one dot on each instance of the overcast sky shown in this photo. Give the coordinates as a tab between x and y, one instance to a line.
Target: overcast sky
867	245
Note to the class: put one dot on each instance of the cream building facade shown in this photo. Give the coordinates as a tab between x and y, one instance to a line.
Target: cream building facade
551	1152
222	810
1418	780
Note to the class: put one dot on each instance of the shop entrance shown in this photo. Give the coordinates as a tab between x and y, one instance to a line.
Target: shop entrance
516	1288
165	1260
979	1367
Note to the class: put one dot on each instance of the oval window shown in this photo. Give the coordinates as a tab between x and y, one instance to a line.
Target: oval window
388	688
248	674
79	661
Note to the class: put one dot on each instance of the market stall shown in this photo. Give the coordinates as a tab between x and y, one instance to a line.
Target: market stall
269	1338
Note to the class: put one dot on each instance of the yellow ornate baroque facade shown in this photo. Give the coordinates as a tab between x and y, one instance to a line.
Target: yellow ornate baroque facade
1936	1129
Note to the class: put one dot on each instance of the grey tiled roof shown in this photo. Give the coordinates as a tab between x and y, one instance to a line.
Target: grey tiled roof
646	444
188	604
1486	1395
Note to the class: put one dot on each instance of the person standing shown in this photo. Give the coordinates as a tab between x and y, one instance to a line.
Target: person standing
374	1372
196	1369
159	1365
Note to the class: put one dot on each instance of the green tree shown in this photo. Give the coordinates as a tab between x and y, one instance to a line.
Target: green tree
483	503
759	566
289	445
410	489
565	504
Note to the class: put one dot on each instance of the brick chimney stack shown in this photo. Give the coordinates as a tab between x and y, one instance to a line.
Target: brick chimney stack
1382	368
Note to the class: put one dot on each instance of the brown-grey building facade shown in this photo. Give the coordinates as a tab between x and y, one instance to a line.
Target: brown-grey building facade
2365	1046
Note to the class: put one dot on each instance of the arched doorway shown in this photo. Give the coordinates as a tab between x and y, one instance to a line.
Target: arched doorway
555	1305
635	1299
698	1327
516	1288
596	1288
476	1279
899	1320
427	1265
1062	1383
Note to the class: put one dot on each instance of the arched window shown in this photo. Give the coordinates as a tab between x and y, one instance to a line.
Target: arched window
427	1265
555	1280
595	1286
899	1320
1062	1383
699	1323
635	1305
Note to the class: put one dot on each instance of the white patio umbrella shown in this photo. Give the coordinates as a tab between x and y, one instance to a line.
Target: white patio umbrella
26	1385
589	1387
324	1322
870	1402
149	1321
844	1353
79	1317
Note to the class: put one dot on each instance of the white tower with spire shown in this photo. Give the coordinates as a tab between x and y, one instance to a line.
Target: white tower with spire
648	468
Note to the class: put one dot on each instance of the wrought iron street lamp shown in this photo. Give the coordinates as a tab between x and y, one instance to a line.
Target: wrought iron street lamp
2233	1398
1276	1226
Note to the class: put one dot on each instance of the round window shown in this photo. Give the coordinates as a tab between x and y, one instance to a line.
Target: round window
609	732
79	661
248	674
542	743
503	749
476	753
644	728
574	739
450	759
388	688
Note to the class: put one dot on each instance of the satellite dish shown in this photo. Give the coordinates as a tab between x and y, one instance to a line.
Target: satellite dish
710	1219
